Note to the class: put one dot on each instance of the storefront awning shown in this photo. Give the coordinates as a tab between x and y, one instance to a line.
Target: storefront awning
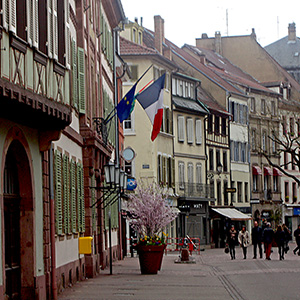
256	170
276	172
268	171
232	214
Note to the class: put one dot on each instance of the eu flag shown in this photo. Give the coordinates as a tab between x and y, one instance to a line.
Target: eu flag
126	105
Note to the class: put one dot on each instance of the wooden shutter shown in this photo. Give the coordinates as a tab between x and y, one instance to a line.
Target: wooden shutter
58	192
55	31
198	173
66	194
190	131
36	23
29	8
73	196
198	132
12	16
74	74
67	34
190	173
80	197
5	14
180	121
81	80
50	28
181	174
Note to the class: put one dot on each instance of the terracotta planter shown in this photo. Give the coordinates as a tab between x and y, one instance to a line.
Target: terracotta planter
150	258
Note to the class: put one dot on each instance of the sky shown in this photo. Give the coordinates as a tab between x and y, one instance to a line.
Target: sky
186	20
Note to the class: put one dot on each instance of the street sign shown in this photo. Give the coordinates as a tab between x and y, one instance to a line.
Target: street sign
230	190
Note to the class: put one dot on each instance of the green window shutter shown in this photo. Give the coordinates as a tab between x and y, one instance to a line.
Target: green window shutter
80	199
66	194
81	80
74	74
73	196
93	198
115	214
58	192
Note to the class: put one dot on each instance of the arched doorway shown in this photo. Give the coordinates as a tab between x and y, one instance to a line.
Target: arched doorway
18	224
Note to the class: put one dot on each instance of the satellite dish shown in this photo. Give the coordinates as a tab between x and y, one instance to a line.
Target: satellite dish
128	154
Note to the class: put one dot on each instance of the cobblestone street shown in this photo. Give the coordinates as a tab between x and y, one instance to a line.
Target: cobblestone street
214	276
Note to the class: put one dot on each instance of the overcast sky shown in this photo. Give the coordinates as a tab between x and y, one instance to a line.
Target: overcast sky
186	20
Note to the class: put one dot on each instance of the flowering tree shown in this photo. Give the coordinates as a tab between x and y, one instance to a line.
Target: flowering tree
149	210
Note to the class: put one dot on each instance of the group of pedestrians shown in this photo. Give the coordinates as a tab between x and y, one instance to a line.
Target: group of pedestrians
262	240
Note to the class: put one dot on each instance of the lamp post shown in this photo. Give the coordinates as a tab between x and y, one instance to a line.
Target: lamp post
117	180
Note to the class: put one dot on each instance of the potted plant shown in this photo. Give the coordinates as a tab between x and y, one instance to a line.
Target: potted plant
287	198
149	214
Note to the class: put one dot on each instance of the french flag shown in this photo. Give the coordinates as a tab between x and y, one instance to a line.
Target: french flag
151	100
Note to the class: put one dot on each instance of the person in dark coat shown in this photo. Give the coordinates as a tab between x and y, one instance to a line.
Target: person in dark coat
257	239
297	237
280	240
268	235
232	241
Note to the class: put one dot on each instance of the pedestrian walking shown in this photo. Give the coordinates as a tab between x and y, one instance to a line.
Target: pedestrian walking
244	240
280	240
268	235
257	239
232	241
287	238
297	237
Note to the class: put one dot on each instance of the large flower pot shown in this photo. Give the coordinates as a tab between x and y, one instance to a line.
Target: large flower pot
150	258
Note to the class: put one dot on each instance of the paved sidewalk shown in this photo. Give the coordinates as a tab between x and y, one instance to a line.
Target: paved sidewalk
214	276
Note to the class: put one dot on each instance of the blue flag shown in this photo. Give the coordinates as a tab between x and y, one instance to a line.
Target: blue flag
126	105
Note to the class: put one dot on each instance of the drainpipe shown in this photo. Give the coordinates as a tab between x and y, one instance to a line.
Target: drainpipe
52	226
230	174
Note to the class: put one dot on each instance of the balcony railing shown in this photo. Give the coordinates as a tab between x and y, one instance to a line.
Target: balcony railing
199	190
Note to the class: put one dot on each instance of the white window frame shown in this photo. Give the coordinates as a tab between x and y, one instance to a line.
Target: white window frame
130	121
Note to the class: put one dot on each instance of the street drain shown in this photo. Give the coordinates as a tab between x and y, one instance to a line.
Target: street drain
124	294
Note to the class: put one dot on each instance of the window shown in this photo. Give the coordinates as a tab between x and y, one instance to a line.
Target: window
236	151
273	108
210	124
255	182
219	193
292	127
285	158
166	125
129	168
128	124
286	191
179	87
140	38
218	158
284	129
211	159
180	123
224	127
134	35
239	192
231	150
159	168
253	139
273	142
252	104
225	164
21	19
263	106
134	72
42	26
167	81
264	141
246	192
190	130
198	173
217	125
294	190
198	132
181	174
156	73
225	194
298	127
275	183
243	152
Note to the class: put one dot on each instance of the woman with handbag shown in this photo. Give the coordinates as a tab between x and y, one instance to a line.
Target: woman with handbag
280	239
244	240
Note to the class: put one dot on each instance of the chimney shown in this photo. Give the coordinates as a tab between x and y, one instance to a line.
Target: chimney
292	32
204	36
159	34
218	42
202	58
253	34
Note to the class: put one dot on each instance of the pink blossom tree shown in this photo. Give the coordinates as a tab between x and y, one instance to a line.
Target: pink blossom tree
149	210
